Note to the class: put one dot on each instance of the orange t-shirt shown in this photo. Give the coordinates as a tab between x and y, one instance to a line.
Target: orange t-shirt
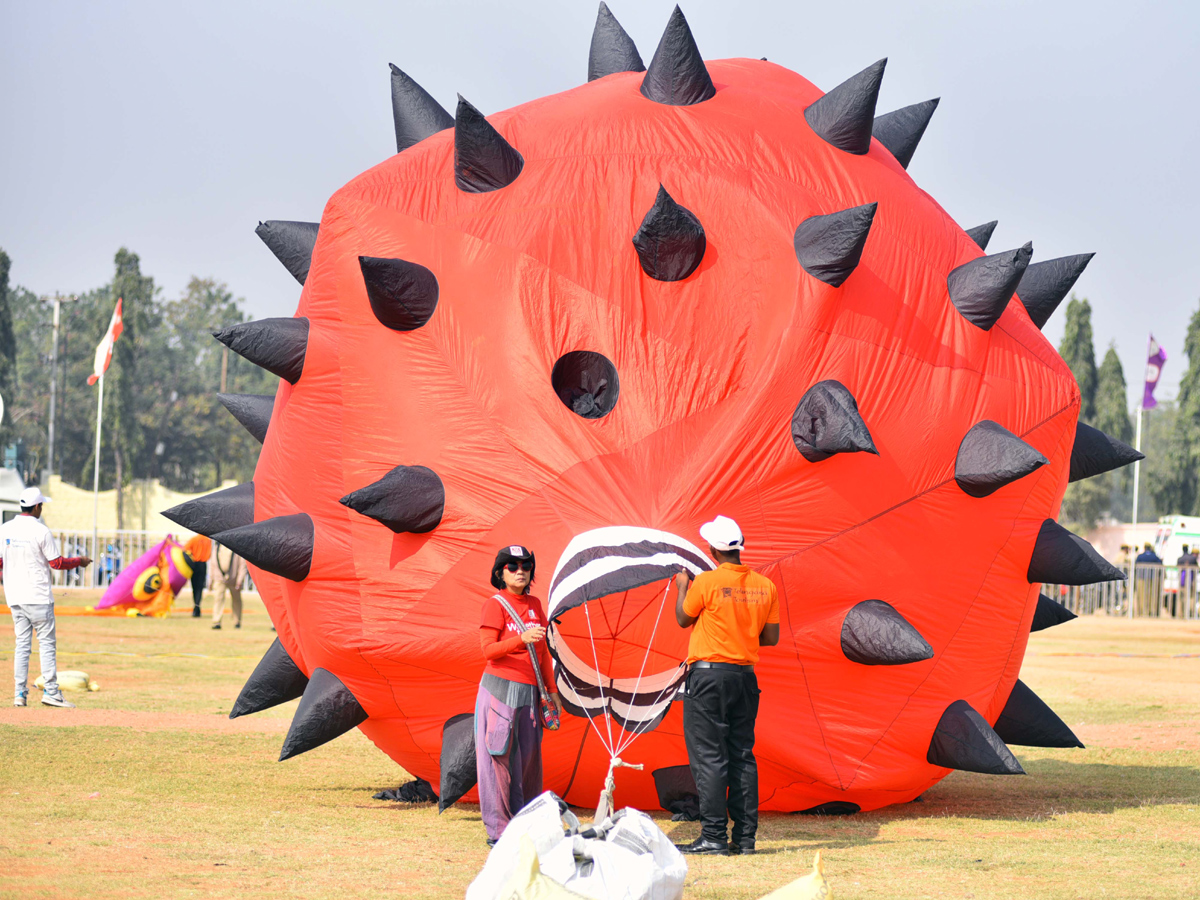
733	604
198	548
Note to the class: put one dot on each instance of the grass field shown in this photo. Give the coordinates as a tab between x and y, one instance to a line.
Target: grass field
148	790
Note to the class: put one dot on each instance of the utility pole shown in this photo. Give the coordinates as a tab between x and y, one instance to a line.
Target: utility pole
58	301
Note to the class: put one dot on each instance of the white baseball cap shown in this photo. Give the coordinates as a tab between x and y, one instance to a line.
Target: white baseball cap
31	497
723	534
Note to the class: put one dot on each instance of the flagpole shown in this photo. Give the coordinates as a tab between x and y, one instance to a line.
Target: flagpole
96	483
1137	471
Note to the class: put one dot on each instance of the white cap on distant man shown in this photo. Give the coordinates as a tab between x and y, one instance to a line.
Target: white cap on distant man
31	497
723	534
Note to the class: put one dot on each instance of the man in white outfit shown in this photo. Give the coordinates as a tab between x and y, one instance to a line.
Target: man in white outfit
28	551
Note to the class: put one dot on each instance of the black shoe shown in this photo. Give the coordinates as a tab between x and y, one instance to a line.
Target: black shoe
702	846
238	625
741	847
217	627
195	612
491	842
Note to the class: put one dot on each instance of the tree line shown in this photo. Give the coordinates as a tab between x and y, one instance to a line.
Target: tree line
1170	476
162	418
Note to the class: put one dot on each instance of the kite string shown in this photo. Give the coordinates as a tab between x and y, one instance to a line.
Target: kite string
638	683
587	613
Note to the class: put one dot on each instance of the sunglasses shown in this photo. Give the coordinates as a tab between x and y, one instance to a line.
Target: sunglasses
523	566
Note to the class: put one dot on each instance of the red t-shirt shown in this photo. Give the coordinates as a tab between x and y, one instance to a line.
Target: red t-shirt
499	635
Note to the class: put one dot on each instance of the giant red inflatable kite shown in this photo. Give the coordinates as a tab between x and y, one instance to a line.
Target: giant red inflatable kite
591	323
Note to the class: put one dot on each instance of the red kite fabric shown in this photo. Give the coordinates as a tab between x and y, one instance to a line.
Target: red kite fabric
591	323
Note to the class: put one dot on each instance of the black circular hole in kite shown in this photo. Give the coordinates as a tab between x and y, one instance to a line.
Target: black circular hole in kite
586	383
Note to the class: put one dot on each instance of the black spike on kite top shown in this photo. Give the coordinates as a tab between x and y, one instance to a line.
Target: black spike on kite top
670	242
1061	557
253	411
981	289
403	294
483	160
1048	614
991	456
982	234
276	679
827	421
406	499
677	75
830	247
1094	453
875	634
292	243
219	511
1028	721
277	345
901	130
282	545
845	116
326	711
1044	285
613	50
964	740
415	114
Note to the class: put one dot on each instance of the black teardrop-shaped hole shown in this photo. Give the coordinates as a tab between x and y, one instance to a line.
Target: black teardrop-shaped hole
586	382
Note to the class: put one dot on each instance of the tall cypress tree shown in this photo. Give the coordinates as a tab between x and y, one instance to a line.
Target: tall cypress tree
136	292
1112	417
8	345
1178	488
1077	351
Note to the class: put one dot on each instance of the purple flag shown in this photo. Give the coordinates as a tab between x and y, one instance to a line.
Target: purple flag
1154	363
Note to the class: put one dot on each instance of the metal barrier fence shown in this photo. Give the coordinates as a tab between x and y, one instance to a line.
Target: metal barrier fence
112	551
1152	590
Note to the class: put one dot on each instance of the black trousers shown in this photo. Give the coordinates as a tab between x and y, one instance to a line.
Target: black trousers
199	576
719	711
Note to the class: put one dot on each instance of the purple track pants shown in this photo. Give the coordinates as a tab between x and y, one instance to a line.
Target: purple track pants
508	759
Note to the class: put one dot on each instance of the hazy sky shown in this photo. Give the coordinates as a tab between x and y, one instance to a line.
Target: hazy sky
172	129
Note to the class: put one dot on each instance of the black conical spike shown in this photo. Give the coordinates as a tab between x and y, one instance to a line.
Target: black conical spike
982	234
901	130
277	345
991	456
457	763
677	76
844	117
218	511
981	289
964	740
612	49
1060	557
416	115
1028	721
1044	285
483	160
403	294
1048	614
670	242
282	546
875	634
276	679
406	499
827	421
252	410
1094	452
327	710
292	243
829	247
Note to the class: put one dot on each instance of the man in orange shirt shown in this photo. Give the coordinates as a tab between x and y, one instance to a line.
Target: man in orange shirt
199	549
732	612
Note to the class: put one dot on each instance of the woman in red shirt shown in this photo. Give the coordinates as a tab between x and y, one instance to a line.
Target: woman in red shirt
508	722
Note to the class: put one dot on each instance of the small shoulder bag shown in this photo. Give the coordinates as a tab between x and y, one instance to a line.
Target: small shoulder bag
549	710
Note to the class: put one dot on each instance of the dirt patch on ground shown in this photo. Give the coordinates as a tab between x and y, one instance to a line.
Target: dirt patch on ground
1183	734
139	721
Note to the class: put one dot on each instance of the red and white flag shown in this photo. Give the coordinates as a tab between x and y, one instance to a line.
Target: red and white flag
105	347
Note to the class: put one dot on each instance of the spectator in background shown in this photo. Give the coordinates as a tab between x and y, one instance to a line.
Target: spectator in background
231	575
1149	580
1187	578
28	552
199	549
